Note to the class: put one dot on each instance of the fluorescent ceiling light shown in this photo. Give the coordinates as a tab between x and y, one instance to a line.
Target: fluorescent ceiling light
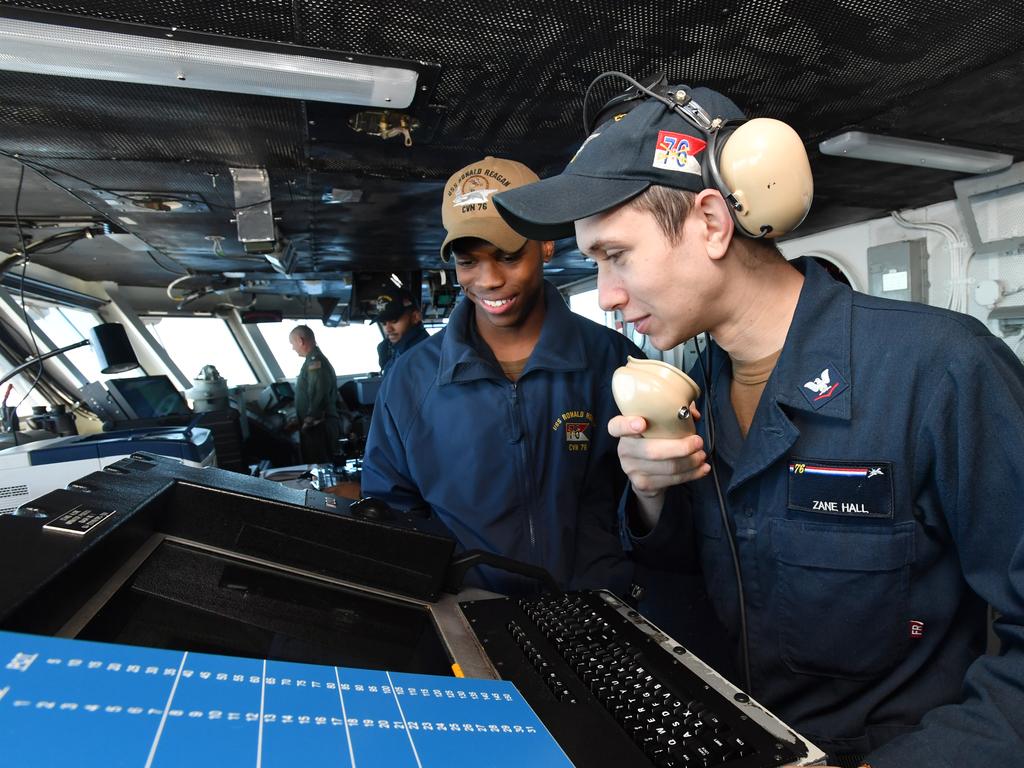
51	49
889	149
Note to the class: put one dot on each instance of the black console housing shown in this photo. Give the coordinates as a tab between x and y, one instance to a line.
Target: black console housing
50	569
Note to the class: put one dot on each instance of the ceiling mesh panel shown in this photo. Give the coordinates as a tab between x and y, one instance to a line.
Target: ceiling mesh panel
511	83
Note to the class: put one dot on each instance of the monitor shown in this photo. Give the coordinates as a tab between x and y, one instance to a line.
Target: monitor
280	394
284	390
148	397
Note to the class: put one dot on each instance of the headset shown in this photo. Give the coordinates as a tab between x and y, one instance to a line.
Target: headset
761	169
759	165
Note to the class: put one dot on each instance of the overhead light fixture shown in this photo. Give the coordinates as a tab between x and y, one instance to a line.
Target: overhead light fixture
925	154
133	53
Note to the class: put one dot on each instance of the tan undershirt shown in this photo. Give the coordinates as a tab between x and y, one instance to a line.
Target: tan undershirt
513	369
748	380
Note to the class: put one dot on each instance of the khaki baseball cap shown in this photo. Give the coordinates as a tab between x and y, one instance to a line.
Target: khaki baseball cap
467	209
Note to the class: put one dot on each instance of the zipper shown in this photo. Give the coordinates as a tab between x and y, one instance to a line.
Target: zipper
524	460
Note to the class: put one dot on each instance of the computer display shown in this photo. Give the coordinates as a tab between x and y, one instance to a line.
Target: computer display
148	397
280	394
284	390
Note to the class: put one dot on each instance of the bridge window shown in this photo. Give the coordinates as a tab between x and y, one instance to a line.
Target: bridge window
585	303
193	342
350	348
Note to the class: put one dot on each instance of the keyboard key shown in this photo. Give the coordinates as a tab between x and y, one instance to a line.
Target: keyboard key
739	746
715	725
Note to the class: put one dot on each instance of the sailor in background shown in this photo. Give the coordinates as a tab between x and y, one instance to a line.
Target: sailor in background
402	325
316	399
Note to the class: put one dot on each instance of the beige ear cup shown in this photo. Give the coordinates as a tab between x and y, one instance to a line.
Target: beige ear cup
659	392
765	165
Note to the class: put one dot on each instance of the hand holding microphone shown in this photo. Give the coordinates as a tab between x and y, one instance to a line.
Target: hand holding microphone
656	400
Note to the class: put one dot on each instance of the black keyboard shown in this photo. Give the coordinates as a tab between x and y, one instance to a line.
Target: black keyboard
614	690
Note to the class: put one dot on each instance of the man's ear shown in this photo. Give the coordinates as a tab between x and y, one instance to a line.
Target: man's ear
547	249
718	224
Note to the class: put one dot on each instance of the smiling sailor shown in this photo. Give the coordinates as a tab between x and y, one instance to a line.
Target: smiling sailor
498	421
859	462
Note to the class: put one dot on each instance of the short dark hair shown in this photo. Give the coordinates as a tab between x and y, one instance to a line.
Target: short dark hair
670	207
304	332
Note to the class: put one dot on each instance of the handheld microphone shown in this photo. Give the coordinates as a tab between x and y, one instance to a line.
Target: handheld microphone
658	392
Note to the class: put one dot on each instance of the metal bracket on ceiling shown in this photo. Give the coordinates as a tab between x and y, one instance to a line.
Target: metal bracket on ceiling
254	214
384	124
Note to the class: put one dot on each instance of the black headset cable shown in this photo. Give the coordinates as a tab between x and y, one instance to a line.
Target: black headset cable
709	408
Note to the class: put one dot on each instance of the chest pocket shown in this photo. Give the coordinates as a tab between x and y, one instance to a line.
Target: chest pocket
843	596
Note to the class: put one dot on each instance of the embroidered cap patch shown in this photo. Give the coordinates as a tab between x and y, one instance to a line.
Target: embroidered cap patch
678	152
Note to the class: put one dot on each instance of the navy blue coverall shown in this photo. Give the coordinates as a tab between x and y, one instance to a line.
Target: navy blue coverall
877	507
524	469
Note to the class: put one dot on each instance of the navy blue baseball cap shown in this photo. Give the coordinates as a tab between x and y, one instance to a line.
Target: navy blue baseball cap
392	305
651	144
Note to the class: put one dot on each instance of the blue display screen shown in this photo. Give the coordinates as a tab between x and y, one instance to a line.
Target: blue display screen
149	397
